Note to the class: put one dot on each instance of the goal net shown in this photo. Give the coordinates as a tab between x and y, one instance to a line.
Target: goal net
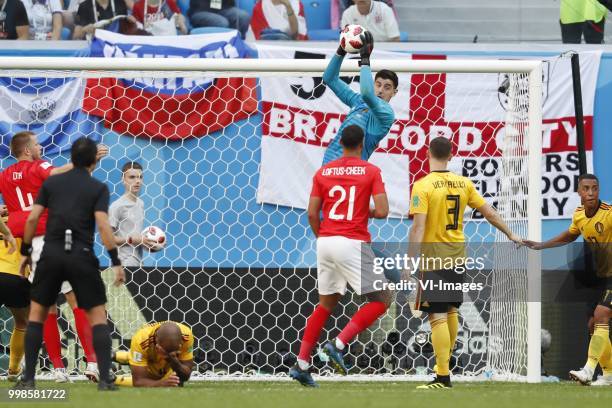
228	152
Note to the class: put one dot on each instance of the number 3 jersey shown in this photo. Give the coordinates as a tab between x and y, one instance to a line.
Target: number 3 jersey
443	196
345	187
19	185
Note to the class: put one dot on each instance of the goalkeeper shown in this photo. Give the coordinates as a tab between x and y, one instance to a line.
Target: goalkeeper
369	109
161	355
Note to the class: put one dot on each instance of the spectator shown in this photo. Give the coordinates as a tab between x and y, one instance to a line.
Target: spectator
163	17
218	13
86	18
14	24
375	16
582	17
278	20
45	18
69	14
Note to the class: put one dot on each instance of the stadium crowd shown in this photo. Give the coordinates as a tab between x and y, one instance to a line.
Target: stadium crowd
255	19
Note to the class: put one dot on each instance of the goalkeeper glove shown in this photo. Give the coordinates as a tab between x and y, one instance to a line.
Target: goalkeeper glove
367	47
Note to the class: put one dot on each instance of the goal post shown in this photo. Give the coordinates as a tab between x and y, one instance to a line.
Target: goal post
240	264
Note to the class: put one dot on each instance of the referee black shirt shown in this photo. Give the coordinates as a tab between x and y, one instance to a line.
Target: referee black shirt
71	199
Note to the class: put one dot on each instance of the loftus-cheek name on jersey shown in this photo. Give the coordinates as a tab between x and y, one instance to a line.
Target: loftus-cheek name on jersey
344	171
449	184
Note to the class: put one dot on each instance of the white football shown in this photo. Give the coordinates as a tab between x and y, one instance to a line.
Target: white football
350	38
155	234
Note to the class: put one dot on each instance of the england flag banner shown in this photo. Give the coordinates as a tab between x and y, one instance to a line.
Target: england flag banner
301	116
170	108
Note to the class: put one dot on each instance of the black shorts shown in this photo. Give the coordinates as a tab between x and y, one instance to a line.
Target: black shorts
14	291
80	267
606	294
431	298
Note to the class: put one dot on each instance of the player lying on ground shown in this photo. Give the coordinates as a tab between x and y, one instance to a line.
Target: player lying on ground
438	203
592	220
161	355
342	189
19	185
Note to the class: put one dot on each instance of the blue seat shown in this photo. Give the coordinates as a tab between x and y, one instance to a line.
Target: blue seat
246	5
184	6
403	36
330	34
208	30
66	34
317	13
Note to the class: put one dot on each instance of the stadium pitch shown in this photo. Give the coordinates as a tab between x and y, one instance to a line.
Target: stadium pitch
330	394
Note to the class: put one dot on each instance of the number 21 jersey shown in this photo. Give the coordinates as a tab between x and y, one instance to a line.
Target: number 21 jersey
345	187
19	185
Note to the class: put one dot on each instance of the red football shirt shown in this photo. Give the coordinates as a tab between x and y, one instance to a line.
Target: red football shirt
19	185
345	187
155	13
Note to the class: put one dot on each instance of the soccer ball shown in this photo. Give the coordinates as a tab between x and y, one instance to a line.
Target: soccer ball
350	38
155	234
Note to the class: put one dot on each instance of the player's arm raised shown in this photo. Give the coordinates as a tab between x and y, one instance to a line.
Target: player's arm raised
381	109
331	78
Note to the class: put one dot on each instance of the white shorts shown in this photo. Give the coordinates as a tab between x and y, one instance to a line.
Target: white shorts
342	261
37	247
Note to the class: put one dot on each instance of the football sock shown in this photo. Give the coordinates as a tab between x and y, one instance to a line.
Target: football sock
52	341
340	344
33	341
452	321
314	325
122	357
102	346
605	361
84	331
124	381
17	349
597	345
361	320
440	339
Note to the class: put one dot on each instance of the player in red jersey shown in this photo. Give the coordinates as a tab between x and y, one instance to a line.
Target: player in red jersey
342	189
19	185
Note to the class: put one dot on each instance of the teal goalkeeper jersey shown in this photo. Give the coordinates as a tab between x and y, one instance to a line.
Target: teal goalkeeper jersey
374	115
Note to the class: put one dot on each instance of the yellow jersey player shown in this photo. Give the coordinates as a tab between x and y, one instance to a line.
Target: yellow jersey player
14	294
161	355
436	237
592	220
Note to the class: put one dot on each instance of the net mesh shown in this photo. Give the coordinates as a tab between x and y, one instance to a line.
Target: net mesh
227	164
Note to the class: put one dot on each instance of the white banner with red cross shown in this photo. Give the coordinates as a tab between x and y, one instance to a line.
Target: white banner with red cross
301	116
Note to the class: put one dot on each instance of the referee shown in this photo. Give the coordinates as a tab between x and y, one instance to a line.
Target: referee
76	202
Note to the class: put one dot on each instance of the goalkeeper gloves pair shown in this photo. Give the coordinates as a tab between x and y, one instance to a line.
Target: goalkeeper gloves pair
365	51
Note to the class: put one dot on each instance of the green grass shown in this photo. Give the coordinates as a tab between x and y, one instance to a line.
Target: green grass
330	394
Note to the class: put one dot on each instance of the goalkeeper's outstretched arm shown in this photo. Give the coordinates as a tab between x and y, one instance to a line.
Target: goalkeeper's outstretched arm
331	78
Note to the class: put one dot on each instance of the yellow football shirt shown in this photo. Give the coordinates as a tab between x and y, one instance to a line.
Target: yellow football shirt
443	196
596	230
143	353
9	263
